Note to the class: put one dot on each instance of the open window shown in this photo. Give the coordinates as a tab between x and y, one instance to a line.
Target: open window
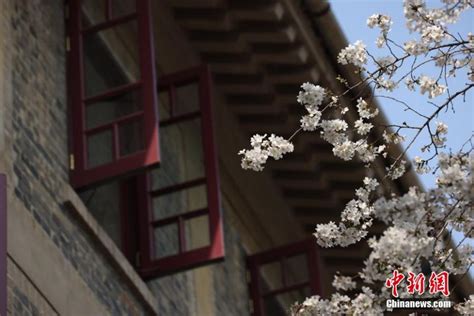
179	204
281	276
112	90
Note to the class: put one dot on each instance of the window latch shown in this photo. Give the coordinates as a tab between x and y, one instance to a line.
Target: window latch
71	162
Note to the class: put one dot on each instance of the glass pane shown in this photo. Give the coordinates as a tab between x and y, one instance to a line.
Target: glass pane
111	58
103	203
122	7
197	232
271	276
93	12
182	157
164	105
100	148
187	99
166	241
112	108
131	136
279	305
178	202
296	268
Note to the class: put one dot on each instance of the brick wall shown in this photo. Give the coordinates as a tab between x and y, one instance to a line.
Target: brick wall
35	156
33	137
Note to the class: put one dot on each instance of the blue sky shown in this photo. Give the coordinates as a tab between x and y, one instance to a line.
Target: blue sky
352	16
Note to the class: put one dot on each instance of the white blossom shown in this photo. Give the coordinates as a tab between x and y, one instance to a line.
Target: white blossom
393	138
396	170
310	122
421	166
395	249
327	234
433	33
418	219
466	308
430	85
344	283
311	97
386	84
334	131
380	20
354	54
263	147
415	48
383	22
364	110
386	64
279	146
363	128
345	150
410	83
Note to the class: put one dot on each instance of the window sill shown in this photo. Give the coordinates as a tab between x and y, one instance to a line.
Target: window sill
78	210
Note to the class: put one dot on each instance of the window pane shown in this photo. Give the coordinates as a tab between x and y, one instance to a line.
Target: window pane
93	12
187	99
178	202
197	232
112	108
271	276
104	204
166	241
182	157
296	269
279	305
111	58
122	7
99	148
131	136
164	105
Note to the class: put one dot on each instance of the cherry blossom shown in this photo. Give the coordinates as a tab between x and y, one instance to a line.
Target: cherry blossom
416	220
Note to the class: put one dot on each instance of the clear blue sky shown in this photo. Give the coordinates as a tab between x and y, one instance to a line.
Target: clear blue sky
352	16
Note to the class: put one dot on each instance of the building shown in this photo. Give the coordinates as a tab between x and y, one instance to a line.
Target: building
115	209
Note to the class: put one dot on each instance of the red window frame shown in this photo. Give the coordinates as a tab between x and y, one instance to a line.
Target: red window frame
80	174
3	244
150	267
279	254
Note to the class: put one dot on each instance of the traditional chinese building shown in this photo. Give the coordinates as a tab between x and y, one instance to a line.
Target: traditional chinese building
120	123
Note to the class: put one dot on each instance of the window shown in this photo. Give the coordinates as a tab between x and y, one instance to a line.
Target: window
3	245
179	205
112	90
282	276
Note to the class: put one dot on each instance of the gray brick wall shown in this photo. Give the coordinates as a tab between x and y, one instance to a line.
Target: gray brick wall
39	156
39	167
